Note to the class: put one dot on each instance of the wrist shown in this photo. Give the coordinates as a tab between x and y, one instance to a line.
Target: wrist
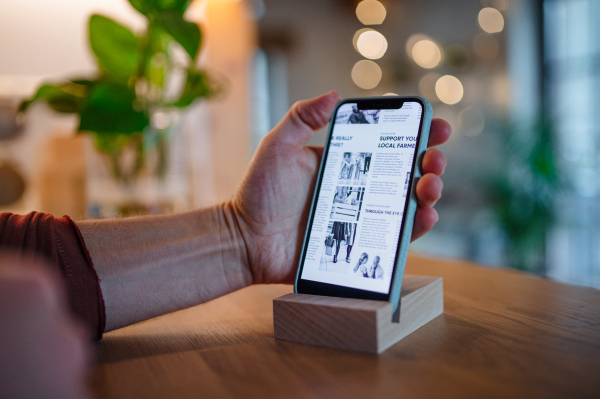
234	242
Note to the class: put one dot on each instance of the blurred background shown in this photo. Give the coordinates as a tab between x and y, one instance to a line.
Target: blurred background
518	80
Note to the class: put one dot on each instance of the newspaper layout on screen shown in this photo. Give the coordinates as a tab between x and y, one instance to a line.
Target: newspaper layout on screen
357	220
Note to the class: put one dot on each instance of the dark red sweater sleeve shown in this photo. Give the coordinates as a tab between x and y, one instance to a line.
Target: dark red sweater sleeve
59	242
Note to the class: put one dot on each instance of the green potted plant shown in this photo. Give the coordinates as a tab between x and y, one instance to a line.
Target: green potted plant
523	192
142	83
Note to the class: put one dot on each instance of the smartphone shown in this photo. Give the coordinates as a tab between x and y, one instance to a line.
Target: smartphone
362	213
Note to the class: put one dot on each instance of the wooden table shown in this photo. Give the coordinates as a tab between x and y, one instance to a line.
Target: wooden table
503	334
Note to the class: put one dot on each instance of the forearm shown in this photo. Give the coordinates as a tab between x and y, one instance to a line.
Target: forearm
149	266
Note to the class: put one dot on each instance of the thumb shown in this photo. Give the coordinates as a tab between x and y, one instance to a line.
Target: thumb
299	124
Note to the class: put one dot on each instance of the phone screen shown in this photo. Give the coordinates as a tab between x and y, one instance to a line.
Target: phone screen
357	220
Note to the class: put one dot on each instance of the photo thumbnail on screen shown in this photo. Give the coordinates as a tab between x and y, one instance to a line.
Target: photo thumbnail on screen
354	115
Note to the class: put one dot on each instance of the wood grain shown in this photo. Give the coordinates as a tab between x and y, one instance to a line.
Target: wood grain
503	334
355	324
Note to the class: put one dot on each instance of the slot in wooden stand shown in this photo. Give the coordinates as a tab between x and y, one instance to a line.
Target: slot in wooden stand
358	324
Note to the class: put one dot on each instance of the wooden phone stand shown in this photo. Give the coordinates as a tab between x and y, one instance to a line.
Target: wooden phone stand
358	324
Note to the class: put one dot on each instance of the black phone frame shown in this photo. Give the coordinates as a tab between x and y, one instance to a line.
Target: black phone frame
311	287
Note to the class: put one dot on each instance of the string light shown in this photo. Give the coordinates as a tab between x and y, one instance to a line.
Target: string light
412	40
491	20
372	44
449	89
426	54
366	74
369	43
370	12
357	35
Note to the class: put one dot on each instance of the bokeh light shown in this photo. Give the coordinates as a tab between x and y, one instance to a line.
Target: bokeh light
486	46
471	121
412	40
357	35
426	54
160	120
449	89
491	20
370	12
427	86
390	94
372	44
366	74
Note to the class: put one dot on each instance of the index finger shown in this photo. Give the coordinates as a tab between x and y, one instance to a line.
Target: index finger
439	132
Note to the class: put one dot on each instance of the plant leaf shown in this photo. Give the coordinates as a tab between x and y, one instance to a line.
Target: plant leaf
148	7
159	40
61	98
83	82
197	85
109	108
185	33
114	46
42	93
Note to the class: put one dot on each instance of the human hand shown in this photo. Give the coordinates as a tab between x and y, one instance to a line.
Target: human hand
273	201
43	350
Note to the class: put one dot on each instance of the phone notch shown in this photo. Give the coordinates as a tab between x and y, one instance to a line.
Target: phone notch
383	104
